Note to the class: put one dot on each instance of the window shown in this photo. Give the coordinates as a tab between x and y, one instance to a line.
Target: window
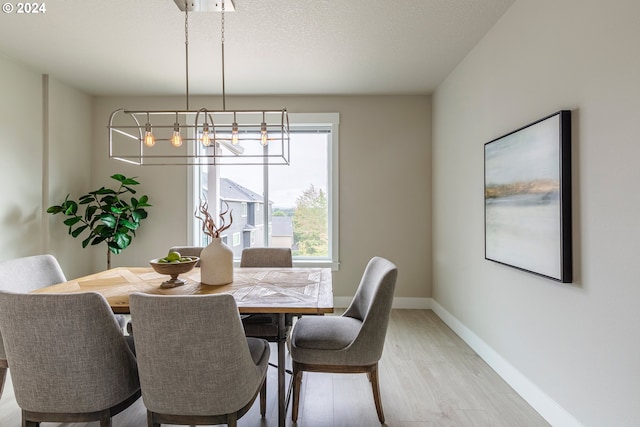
292	206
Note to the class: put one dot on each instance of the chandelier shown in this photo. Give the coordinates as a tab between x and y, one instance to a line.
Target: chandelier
203	136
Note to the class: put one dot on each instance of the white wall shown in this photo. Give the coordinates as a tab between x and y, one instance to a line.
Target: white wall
69	171
384	156
45	140
21	160
578	342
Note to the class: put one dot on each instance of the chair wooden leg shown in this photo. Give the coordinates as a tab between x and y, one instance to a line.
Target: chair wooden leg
375	386
105	419
263	398
297	383
26	422
232	420
151	422
3	376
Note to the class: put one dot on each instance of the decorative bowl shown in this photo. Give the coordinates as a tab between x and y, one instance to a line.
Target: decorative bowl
173	269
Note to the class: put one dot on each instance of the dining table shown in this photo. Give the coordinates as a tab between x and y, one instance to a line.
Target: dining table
283	292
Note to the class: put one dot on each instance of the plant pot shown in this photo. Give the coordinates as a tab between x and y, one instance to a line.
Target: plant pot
216	263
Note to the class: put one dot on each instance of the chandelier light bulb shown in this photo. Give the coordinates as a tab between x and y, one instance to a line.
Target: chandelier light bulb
149	139
205	138
176	139
234	133
264	137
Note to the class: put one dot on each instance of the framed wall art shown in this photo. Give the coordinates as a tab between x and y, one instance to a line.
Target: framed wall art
527	198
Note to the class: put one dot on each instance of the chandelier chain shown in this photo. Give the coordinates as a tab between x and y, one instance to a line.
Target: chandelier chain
186	48
224	96
222	27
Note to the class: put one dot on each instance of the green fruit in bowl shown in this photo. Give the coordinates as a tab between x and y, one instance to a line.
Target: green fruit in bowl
173	256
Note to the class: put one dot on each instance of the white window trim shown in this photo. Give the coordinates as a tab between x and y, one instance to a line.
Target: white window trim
299	120
332	120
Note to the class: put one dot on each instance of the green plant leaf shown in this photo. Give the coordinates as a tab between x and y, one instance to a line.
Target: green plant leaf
105	191
114	249
72	221
88	214
94	192
87	198
122	240
130	181
144	200
119	177
86	241
54	209
70	207
116	210
139	214
128	224
109	220
129	190
97	240
94	220
103	231
79	230
110	200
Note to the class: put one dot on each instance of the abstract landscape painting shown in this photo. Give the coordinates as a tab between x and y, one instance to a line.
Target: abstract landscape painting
528	198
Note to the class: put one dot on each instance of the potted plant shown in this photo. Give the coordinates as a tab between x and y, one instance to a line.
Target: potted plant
107	216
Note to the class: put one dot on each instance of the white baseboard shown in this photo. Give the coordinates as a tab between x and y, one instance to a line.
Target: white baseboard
540	401
400	302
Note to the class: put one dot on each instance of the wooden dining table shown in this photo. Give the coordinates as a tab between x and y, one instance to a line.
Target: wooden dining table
279	291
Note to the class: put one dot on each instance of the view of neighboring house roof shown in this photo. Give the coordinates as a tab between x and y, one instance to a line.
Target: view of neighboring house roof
230	190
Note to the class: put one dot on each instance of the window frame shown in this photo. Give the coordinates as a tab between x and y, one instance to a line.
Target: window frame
297	121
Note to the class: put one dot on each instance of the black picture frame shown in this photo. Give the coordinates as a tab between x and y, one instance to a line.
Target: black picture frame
527	198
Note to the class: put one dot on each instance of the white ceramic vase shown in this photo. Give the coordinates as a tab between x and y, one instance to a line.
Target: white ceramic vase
216	263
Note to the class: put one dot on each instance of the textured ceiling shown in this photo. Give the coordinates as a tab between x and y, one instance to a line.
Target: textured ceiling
118	47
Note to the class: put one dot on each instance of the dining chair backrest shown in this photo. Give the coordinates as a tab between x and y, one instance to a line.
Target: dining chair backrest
66	353
188	251
30	273
372	305
193	356
266	257
27	274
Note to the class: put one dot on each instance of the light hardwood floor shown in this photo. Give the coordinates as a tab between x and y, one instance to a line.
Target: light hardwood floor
428	377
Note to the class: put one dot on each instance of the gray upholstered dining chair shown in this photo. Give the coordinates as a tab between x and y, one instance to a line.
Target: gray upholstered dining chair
27	274
351	343
188	251
196	365
69	360
266	257
265	325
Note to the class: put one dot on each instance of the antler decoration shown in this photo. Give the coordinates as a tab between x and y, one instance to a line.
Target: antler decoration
209	226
